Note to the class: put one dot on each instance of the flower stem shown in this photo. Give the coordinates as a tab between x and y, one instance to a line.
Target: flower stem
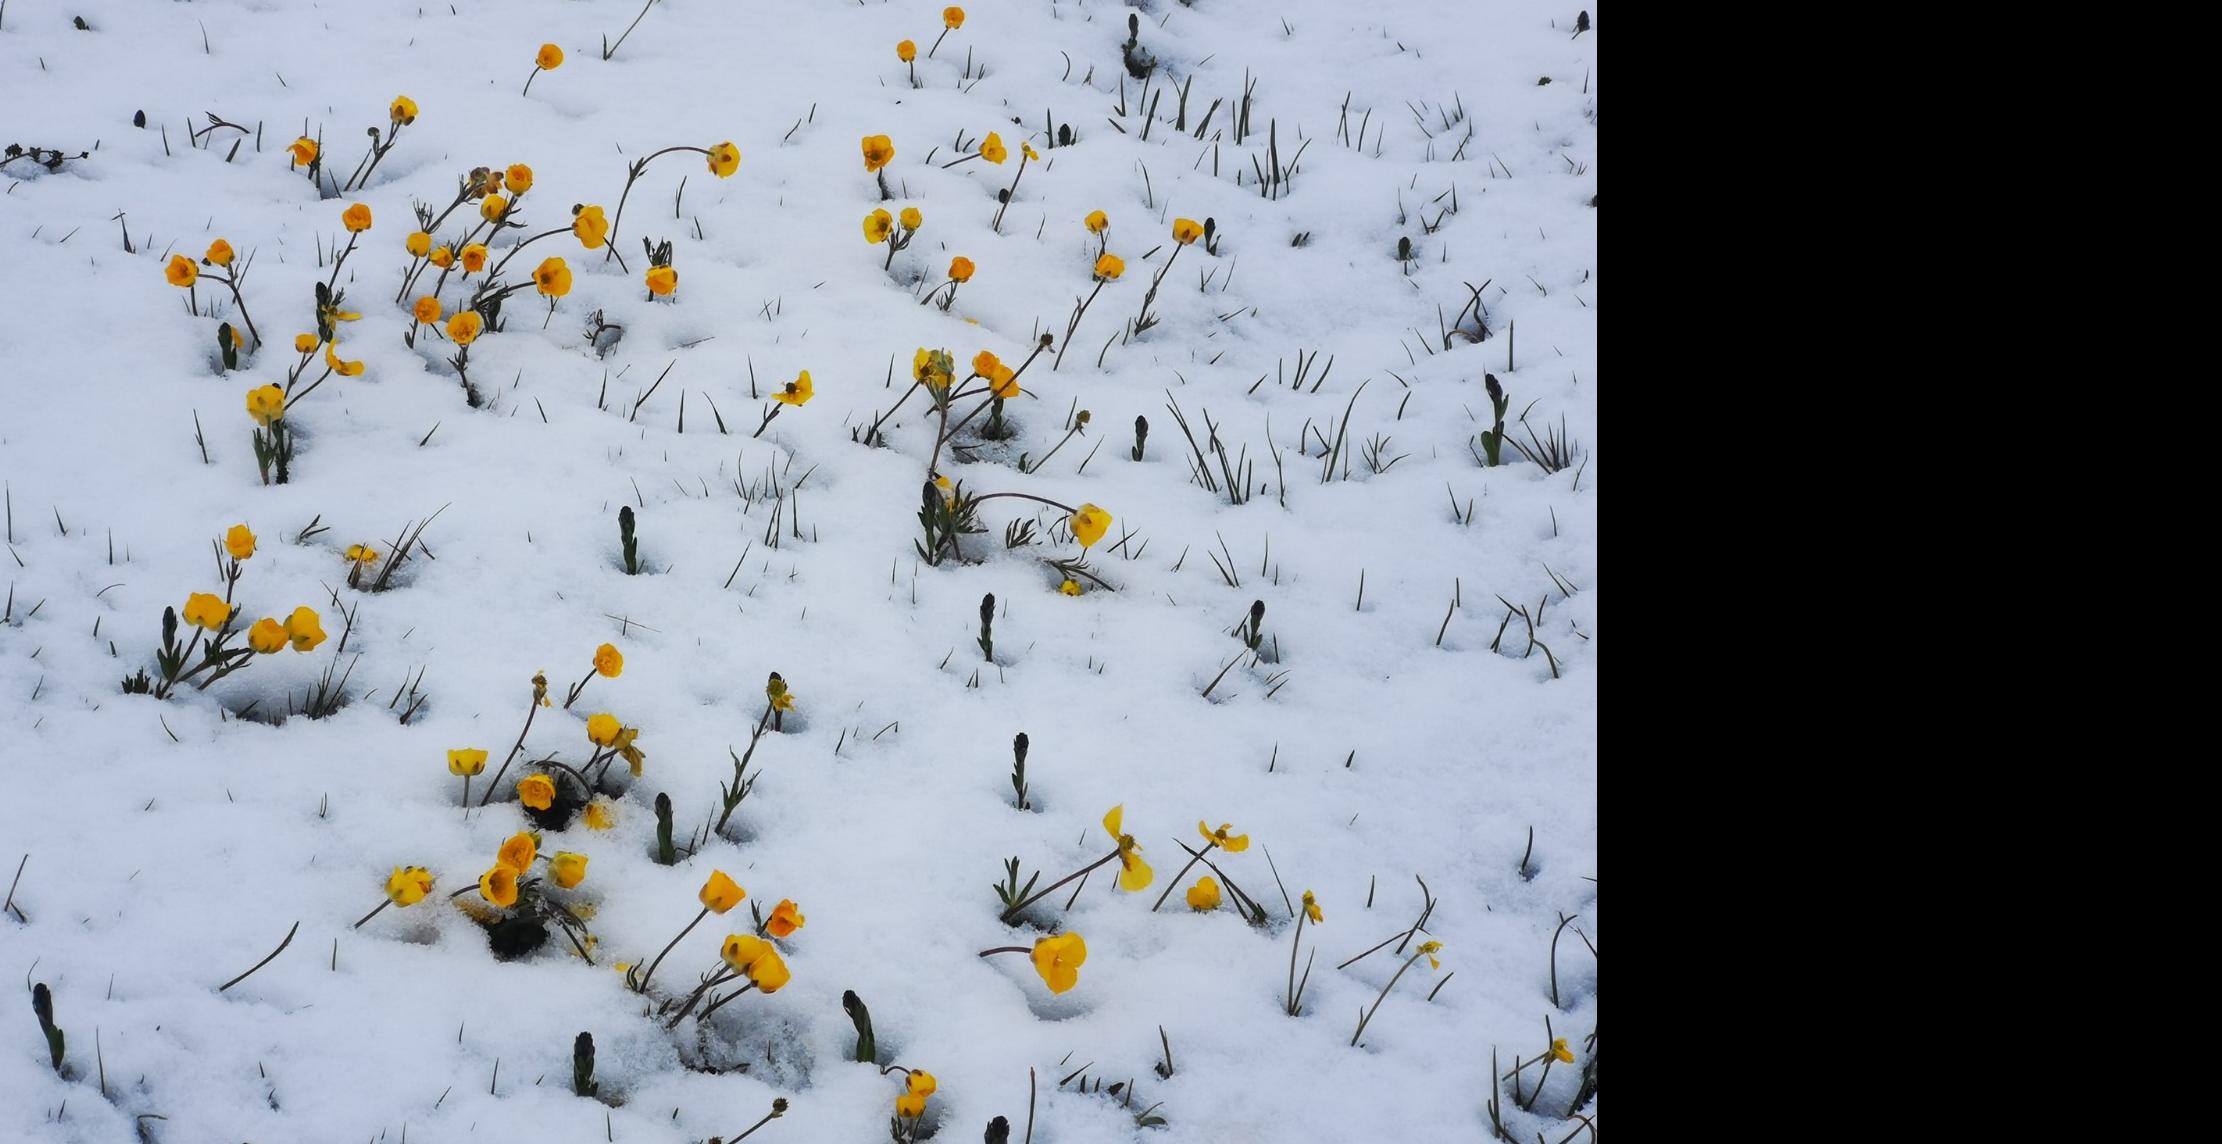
1183	870
1011	914
643	987
531	710
373	913
1005	949
1384	996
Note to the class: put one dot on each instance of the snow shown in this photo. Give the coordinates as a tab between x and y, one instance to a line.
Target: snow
168	845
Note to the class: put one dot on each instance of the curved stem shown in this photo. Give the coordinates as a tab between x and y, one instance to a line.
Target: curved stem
1005	949
528	80
721	1002
644	978
1010	914
639	168
531	710
1384	996
1183	870
521	245
1031	497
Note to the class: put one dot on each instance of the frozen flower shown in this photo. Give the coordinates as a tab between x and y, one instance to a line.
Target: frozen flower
404	110
911	219
960	269
342	368
662	280
549	58
757	960
1431	948
1089	525
1110	266
474	257
518	178
553	278
1134	874
181	271
591	226
785	920
1186	230
599	814
1058	958
239	542
304	629
609	663
795	392
1070	587
1311	909
1097	222
303	150
992	148
266	404
720	893
267	636
602	729
499	885
408	885
219	252
427	309
536	791
877	226
493	207
775	689
203	610
1224	837
519	851
356	218
725	159
418	243
953	17
462	329
466	761
1204	895
879	151
567	869
906	51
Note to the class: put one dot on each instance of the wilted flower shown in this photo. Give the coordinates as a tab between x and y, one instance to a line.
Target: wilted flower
553	278
404	110
462	329
609	663
304	629
1070	587
1204	895
361	553
267	636
1311	908
785	919
519	851
1561	1052
775	689
474	257
1134	874
662	280
427	309
356	218
602	729
466	761
550	57
342	368
960	269
720	893
1089	525
408	885
499	885
1097	222
536	791
591	226
418	243
992	148
934	367
219	252
518	178
879	151
1431	948
877	226
795	392
1058	958
725	159
906	51
239	542
303	150
1187	230
1110	266
181	271
203	610
567	869
1224	837
599	814
266	404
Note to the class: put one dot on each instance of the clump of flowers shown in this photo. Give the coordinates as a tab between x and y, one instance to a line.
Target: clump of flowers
221	258
548	58
741	955
216	618
910	1105
894	230
527	909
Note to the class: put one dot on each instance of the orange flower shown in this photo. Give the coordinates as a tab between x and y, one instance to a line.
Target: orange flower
906	51
474	258
550	57
725	159
720	893
219	252
536	791
519	851
427	309
443	257
462	329
303	151
181	271
662	280
609	663
785	919
553	278
960	269
953	16
879	151
499	885
356	218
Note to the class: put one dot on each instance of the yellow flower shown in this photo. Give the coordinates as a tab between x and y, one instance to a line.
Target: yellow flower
910	1105
757	959
662	280
775	689
985	363
725	159
795	392
1560	1051
499	885
1097	222
342	368
1089	525
567	868
536	791
1187	230
598	815
418	243
1070	587
921	1083
934	367
181	271
474	257
1003	382
493	207
912	220
219	252
553	278
203	610
877	226
427	309
306	343
409	885
466	761
1110	266
404	110
1204	895
303	150
785	920
462	329
720	893
239	542
592	227
266	404
304	629
356	218
361	553
960	269
1228	841
992	148
953	16
1028	148
1058	959
906	51
550	57
879	151
267	636
601	730
1431	948
1311	909
609	663
519	851
518	178
442	257
1134	874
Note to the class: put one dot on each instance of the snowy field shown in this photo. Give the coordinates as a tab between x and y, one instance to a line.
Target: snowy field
1334	609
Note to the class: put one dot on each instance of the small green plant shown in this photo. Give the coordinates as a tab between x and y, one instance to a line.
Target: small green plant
632	542
42	1003
1492	438
867	1046
1008	890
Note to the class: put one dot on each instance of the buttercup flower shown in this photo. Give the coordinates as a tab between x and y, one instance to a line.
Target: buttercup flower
934	367
304	629
725	159
1110	266
427	309
609	663
1204	895
960	269
267	636
219	252
592	227
1187	230
1058	959
536	791
553	278
953	16
912	220
879	151
408	885
567	869
181	271
1070	587
442	257
785	920
466	761
795	392
598	814
602	729
1134	874
239	542
757	959
550	57
266	404
404	110
1003	382
992	148
985	363
493	207
1225	837
1097	222
474	257
877	226
1431	948
1560	1051
418	243
1089	525
775	689
662	280
910	1105
1028	148
356	218
518	178
306	343
361	553
921	1083
499	885
519	851
462	329
303	150
342	368
1311	909
203	610
720	893
906	51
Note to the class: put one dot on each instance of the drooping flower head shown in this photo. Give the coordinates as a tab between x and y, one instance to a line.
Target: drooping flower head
306	343
567	869
725	159
1561	1052
1089	525
1134	874
1204	895
1225	837
879	151
239	541
1058	959
549	58
1187	230
536	791
775	689
302	150
720	893
1311	909
609	663
1431	948
934	367
756	959
339	366
466	761
1070	587
1109	267
361	553
408	885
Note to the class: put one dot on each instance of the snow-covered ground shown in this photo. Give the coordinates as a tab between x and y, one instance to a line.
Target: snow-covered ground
1409	729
